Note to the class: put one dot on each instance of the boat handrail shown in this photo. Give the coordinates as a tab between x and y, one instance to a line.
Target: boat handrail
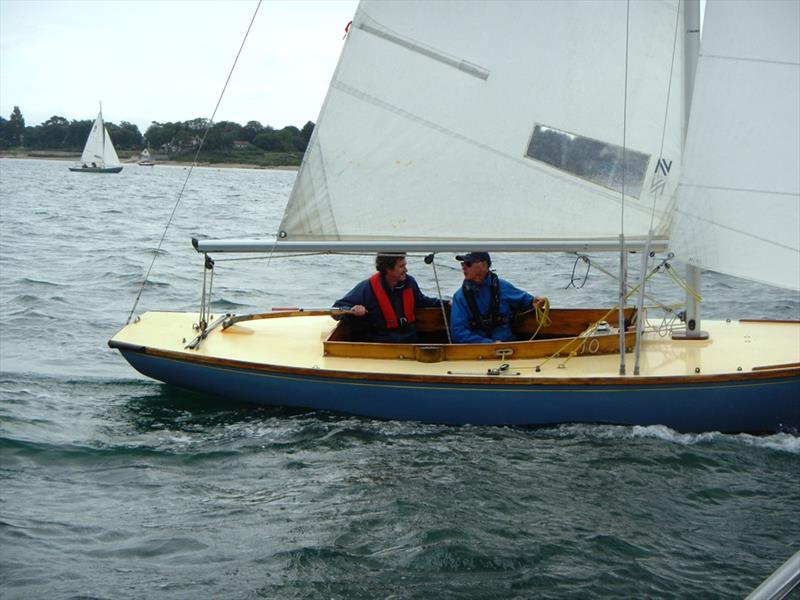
781	583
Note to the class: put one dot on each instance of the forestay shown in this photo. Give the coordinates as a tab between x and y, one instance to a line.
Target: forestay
496	120
738	204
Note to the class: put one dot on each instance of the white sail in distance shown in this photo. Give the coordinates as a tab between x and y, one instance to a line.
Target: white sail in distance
738	204
496	120
98	148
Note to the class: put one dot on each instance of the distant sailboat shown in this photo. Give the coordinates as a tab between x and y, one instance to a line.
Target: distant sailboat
99	155
145	159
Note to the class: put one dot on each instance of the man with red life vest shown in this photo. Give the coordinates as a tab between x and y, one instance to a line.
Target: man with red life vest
381	308
484	306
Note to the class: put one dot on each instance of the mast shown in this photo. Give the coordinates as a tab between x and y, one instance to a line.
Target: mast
691	21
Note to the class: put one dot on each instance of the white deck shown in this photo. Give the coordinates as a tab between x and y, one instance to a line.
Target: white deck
297	341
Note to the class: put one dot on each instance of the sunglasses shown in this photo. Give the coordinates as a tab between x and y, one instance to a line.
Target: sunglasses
467	263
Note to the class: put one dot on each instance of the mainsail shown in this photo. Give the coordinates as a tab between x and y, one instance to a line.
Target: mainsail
738	205
98	148
473	120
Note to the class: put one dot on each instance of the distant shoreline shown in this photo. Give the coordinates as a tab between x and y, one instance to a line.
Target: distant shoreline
75	157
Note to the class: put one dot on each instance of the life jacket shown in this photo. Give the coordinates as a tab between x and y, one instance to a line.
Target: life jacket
489	321
387	310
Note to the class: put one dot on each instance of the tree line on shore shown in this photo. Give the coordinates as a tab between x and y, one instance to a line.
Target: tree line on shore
59	133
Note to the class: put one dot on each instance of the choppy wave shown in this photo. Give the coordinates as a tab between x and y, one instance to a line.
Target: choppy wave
784	442
114	486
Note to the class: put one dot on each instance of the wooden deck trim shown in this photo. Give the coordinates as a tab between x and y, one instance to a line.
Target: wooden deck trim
568	333
771	367
743	377
784	321
581	345
277	315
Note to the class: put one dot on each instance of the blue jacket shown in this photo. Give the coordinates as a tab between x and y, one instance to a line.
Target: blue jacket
512	299
372	327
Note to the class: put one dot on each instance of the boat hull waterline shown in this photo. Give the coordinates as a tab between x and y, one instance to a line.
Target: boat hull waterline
461	392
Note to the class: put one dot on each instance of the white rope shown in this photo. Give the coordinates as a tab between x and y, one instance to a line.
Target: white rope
623	275
625	121
666	106
194	162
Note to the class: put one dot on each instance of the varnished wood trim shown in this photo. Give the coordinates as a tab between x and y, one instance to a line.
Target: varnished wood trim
790	321
580	345
565	335
565	322
284	313
771	367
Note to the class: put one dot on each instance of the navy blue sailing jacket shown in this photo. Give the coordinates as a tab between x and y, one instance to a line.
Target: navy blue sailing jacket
372	327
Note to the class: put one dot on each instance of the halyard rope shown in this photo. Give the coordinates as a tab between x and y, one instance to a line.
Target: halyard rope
623	269
683	285
580	342
666	106
542	314
194	162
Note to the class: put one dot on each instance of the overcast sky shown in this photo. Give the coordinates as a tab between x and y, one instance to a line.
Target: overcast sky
165	60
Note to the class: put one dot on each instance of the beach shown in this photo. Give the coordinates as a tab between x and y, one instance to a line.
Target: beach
134	159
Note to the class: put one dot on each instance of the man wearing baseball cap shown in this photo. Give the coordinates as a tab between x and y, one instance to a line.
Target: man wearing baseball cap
484	306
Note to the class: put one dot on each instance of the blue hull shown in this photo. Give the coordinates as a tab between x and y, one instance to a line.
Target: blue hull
757	406
96	170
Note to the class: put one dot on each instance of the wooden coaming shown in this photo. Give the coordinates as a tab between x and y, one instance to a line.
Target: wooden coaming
570	332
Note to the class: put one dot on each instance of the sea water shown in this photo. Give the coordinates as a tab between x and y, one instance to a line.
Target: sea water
116	486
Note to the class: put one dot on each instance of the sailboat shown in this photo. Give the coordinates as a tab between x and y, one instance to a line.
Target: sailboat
99	155
145	159
535	127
